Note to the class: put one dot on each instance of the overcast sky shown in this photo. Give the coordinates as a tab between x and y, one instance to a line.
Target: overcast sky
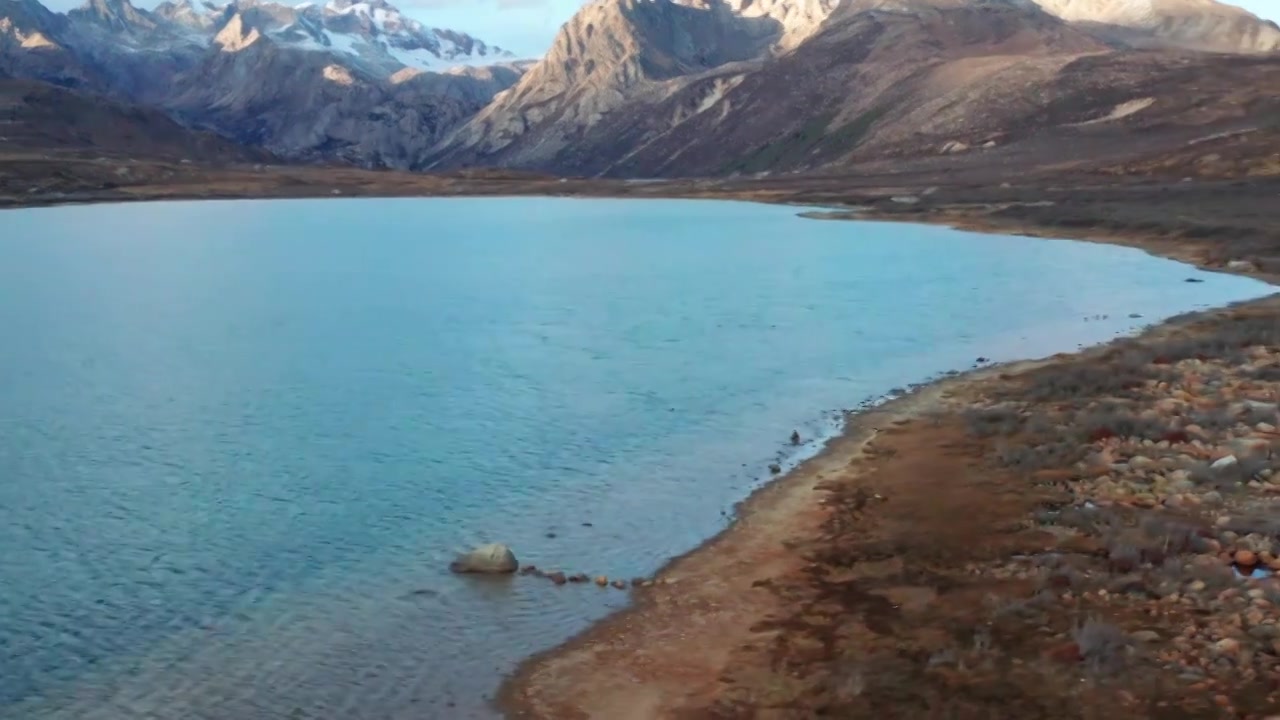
526	27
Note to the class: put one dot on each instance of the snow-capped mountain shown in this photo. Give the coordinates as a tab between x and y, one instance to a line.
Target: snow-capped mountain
373	34
356	81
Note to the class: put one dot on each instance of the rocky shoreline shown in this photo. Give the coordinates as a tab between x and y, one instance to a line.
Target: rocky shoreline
1094	533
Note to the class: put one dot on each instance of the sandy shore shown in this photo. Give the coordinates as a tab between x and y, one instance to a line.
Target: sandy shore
669	650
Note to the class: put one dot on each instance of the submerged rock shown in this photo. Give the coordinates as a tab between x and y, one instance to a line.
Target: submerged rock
494	559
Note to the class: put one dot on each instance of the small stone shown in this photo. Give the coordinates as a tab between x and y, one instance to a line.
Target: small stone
1146	636
1225	463
775	468
1141	462
579	578
1196	586
601	580
619	584
1227	646
1069	652
557	577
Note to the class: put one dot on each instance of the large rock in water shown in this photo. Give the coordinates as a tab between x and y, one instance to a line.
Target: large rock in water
493	558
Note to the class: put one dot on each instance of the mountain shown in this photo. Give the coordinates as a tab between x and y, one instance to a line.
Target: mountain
31	47
40	118
706	87
356	82
1188	24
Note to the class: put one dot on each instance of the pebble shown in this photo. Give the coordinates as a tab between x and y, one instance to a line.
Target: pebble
557	577
1224	463
1146	636
620	584
601	580
1227	646
1141	462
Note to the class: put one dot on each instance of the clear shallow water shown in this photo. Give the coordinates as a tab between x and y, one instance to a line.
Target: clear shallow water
240	441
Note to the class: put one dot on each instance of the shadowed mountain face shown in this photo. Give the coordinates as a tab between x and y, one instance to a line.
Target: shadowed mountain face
356	82
36	117
708	88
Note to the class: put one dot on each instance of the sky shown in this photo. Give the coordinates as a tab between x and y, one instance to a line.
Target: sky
527	27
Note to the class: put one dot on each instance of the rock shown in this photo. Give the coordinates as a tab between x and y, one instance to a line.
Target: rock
775	468
1224	464
1250	448
619	584
795	437
1146	636
494	558
579	578
1069	652
602	581
953	146
529	570
1227	646
1241	266
1140	462
1246	558
557	577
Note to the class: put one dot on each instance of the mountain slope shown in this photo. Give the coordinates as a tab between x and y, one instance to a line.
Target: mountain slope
38	117
306	106
683	88
1184	24
357	82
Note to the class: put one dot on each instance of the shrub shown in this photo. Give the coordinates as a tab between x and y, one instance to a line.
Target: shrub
1116	420
1102	645
988	422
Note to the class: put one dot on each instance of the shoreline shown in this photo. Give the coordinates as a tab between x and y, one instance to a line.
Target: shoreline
784	507
730	566
783	498
777	512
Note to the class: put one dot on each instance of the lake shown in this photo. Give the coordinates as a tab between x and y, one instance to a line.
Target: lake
242	440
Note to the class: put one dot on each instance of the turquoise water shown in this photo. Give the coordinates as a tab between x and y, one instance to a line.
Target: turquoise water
241	440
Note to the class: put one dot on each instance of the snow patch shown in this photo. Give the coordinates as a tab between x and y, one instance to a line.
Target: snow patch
1123	110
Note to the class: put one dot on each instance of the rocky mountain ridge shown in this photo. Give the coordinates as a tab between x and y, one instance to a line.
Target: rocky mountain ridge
356	82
